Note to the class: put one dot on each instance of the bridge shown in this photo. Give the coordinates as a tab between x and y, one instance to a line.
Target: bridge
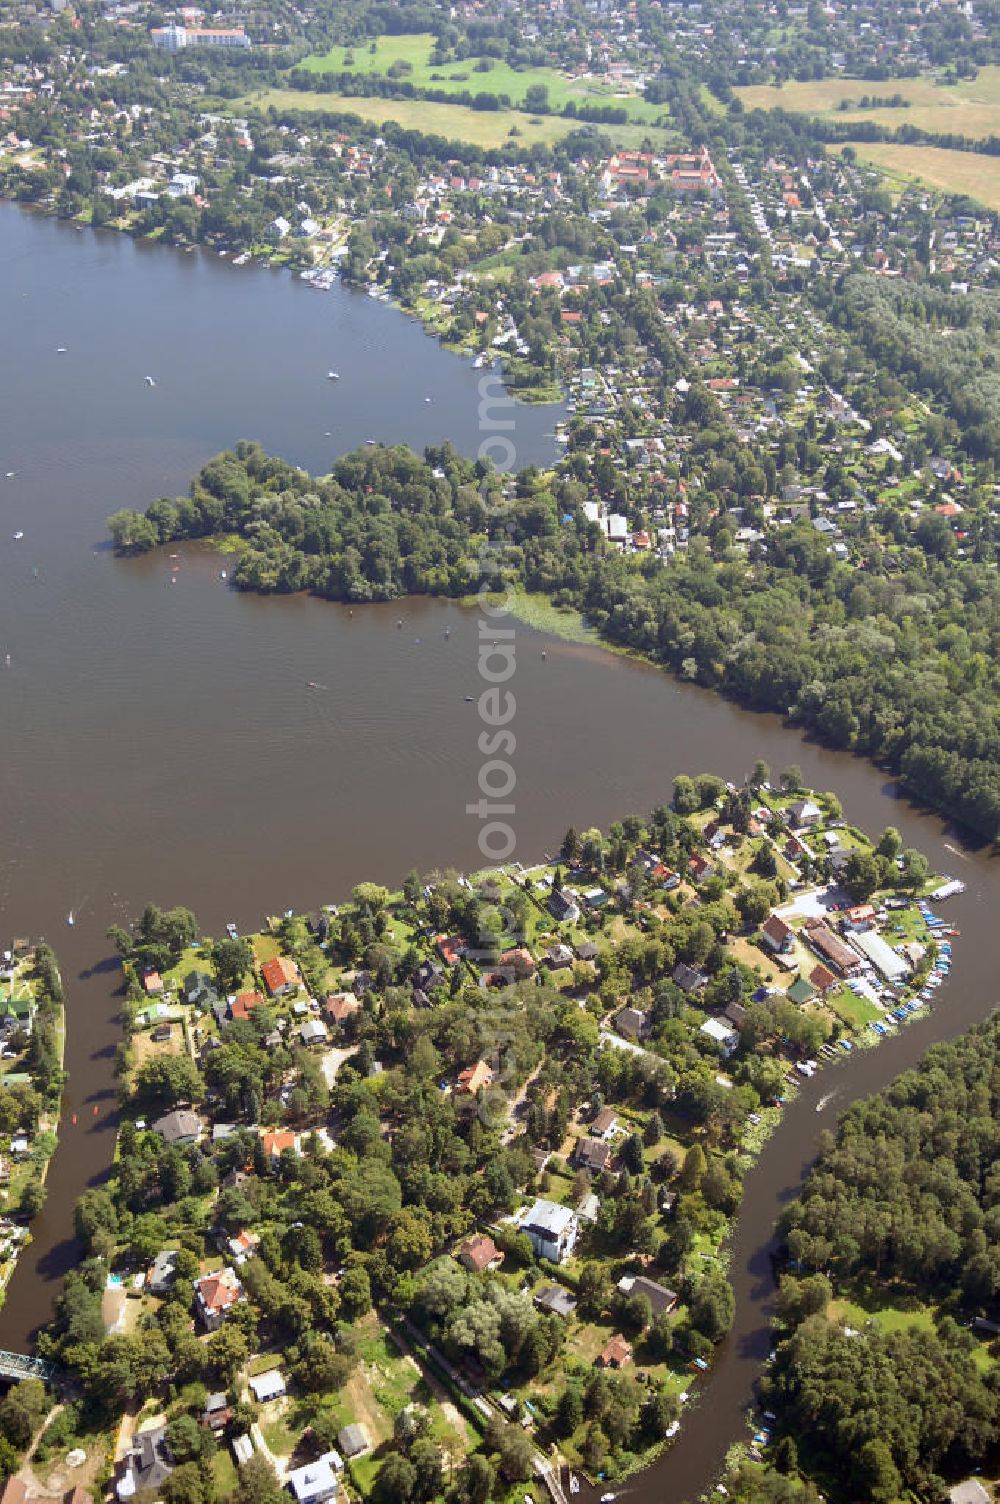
19	1366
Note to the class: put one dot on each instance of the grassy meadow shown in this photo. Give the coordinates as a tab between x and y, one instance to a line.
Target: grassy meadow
935	168
414	52
455	122
970	108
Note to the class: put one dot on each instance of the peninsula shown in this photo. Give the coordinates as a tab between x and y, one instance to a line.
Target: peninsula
439	1182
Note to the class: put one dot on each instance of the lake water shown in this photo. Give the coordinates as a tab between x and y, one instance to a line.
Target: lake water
160	740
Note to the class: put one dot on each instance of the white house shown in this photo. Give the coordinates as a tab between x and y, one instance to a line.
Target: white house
315	1483
553	1230
726	1037
268	1386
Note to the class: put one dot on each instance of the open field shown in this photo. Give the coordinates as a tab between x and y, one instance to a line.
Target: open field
970	108
932	166
412	54
455	122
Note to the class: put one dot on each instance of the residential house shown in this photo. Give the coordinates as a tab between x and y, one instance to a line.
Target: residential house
555	1301
480	1253
243	1246
215	1295
699	867
281	976
559	956
313	1031
661	1300
971	1491
591	1154
428	975
243	1004
146	1465
268	1386
552	1229
822	978
520	961
353	1440
315	1483
617	1353
451	948
199	990
163	1272
276	1140
632	1023
216	1414
721	1034
778	936
474	1078
688	978
563	906
341	1006
182	1126
588	1207
604	1124
804	814
242	1450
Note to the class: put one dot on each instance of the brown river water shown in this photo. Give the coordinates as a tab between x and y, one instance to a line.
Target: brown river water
161	741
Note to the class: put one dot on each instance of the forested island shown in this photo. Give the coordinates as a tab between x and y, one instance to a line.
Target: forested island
894	654
885	1377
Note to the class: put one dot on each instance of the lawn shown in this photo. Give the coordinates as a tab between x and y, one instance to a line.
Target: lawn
853	1010
971	108
413	54
889	1317
933	167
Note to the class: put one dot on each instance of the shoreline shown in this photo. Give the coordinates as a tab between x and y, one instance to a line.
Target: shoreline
260	260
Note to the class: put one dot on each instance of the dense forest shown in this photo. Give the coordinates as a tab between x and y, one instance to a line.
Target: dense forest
910	1191
902	1210
900	666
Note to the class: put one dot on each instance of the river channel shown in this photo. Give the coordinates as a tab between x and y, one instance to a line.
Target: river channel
161	741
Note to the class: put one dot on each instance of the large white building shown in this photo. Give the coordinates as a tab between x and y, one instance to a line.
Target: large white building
175	38
553	1230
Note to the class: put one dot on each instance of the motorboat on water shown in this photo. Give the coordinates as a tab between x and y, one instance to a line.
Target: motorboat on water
71	918
333	375
150	381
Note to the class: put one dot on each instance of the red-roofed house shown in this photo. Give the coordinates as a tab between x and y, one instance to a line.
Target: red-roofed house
617	1353
281	976
276	1141
777	934
340	1006
822	978
480	1253
216	1294
474	1078
450	948
244	1004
